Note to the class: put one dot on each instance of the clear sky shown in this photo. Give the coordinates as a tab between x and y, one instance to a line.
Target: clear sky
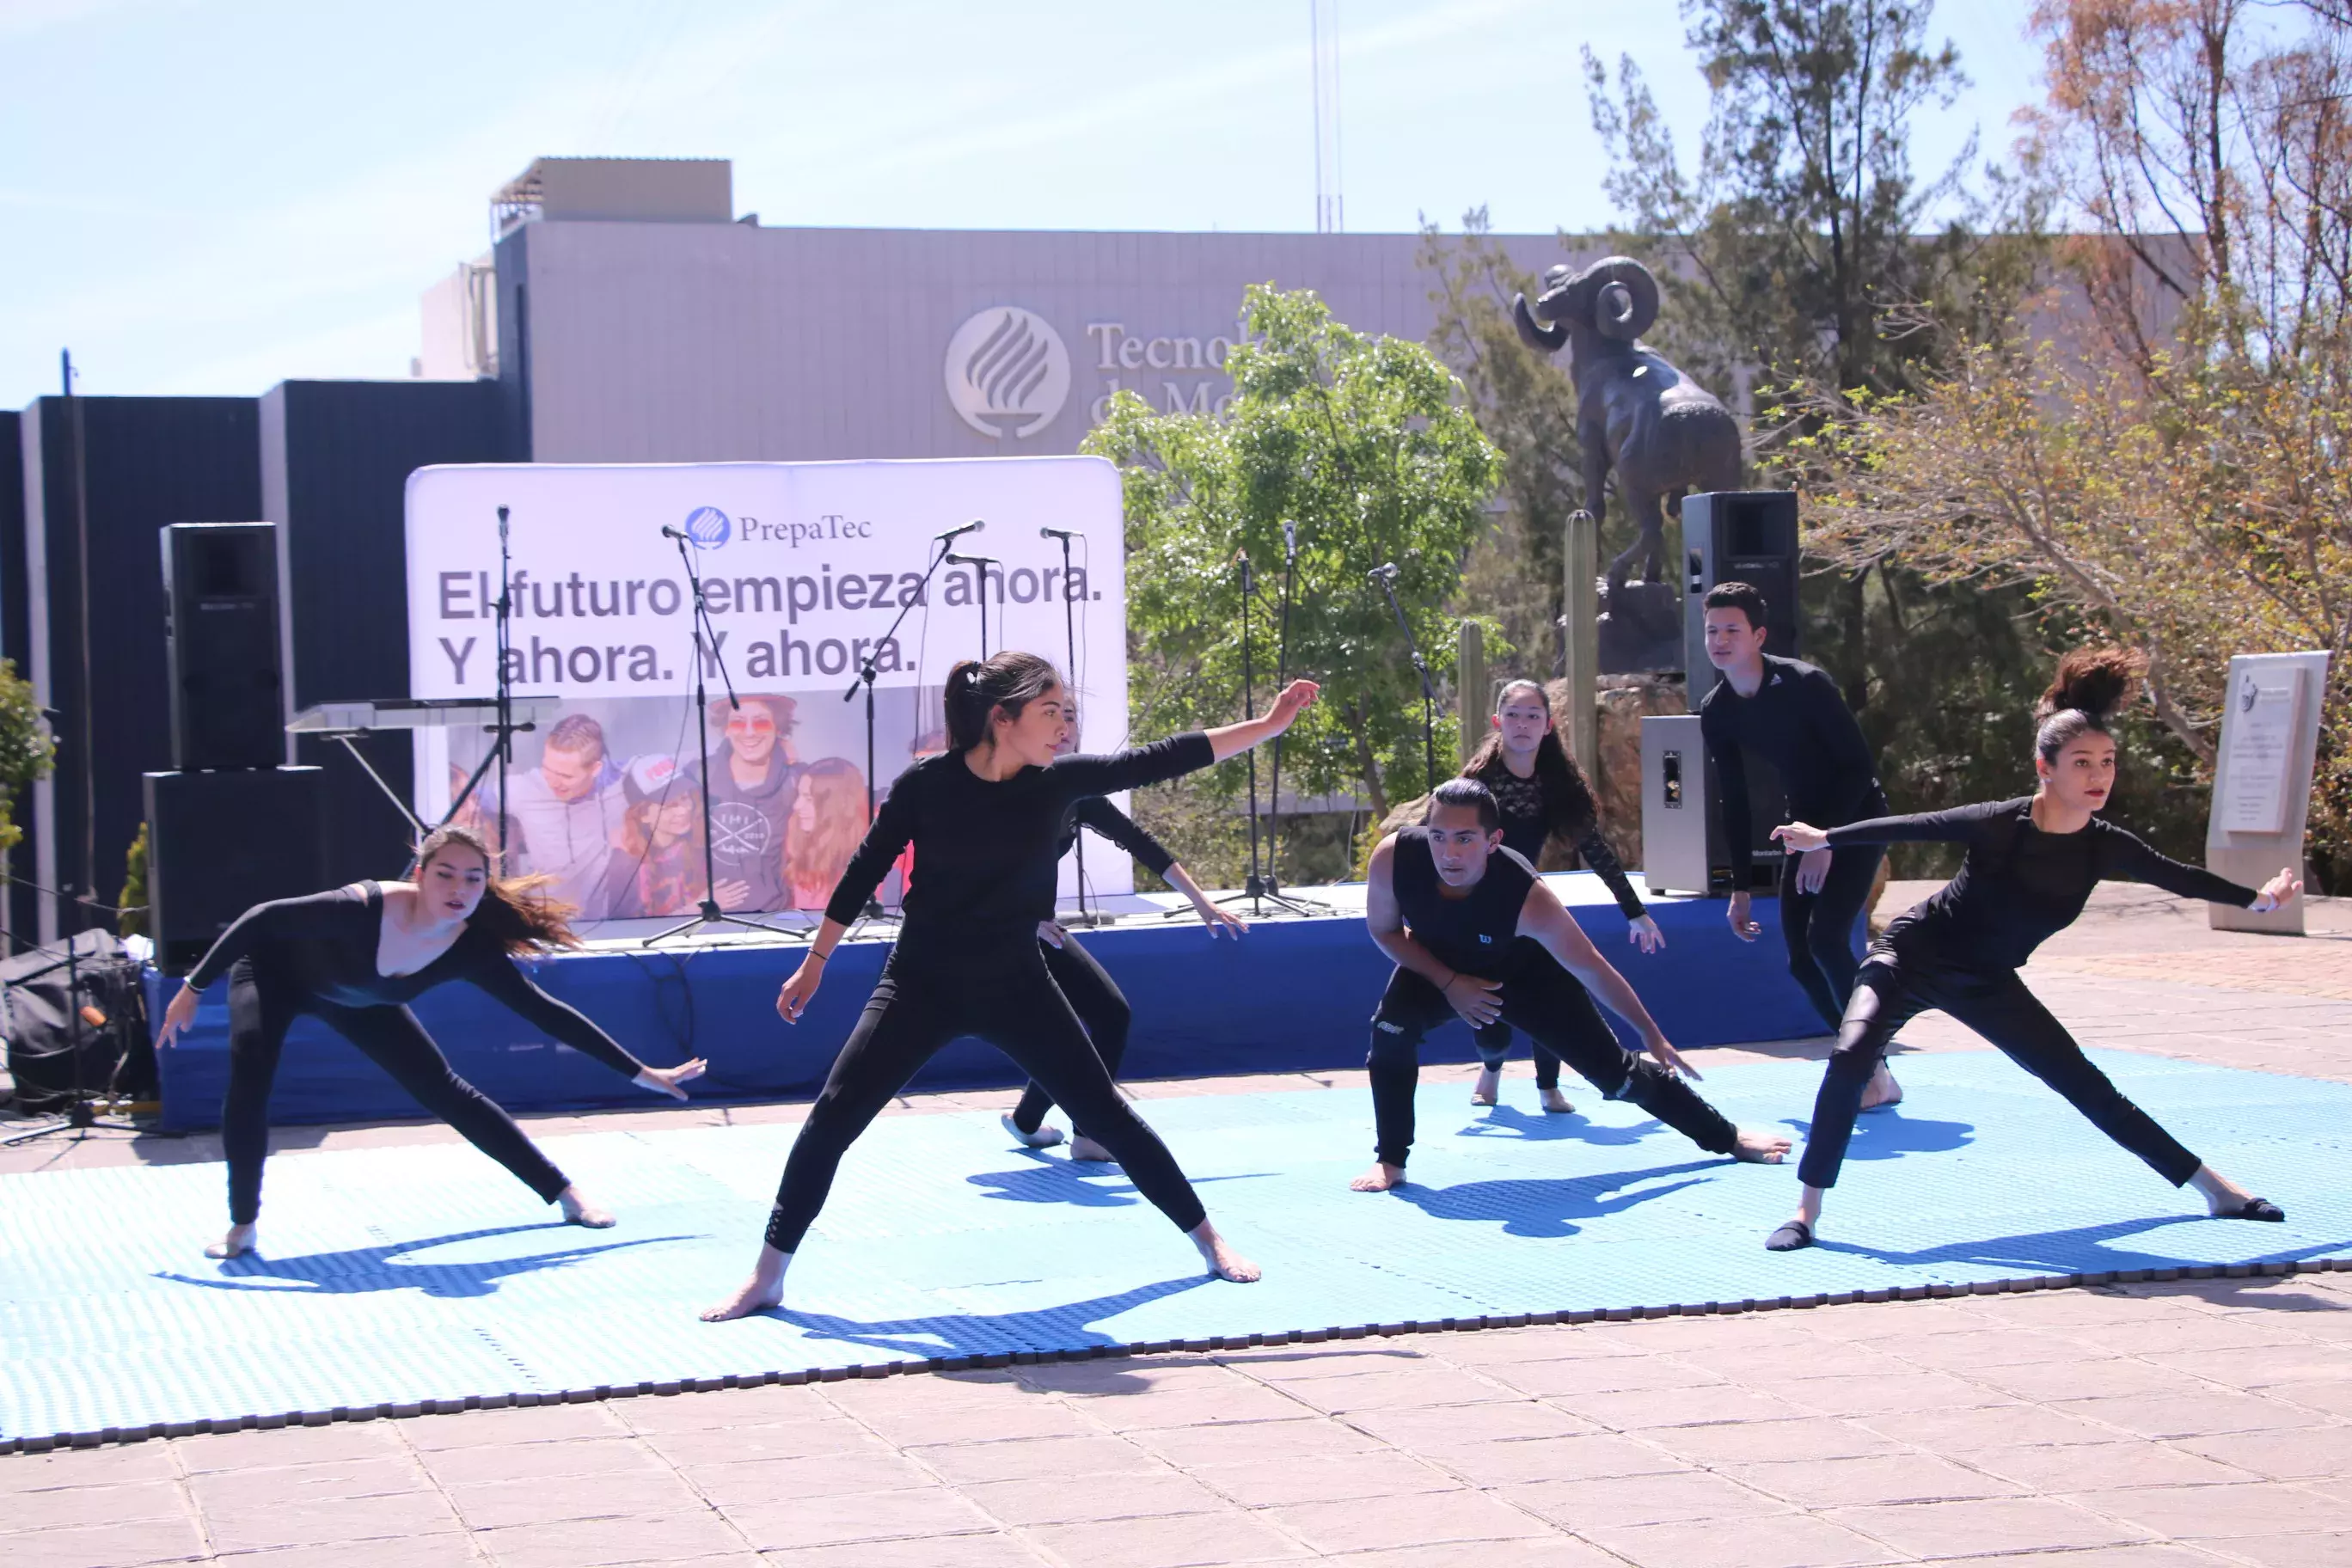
215	195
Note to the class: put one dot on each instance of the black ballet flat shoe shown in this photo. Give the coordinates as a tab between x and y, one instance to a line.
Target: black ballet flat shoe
1793	1236
2254	1208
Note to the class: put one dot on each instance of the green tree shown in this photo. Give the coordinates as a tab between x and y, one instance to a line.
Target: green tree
1527	405
27	751
1364	444
1803	253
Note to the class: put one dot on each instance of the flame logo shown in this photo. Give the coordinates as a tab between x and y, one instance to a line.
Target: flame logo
1008	373
708	527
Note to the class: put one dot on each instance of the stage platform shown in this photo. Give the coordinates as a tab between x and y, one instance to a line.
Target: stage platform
396	1280
1295	993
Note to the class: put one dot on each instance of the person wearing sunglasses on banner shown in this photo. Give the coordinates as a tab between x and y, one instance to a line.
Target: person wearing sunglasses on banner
754	778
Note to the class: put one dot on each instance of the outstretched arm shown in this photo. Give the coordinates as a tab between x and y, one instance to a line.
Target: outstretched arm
2128	856
1178	754
501	977
1235	739
1543	919
1960	825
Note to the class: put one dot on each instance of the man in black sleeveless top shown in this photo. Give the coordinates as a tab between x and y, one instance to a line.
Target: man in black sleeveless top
1449	903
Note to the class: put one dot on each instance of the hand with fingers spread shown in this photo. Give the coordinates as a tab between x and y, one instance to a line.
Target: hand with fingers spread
1644	933
178	1013
2275	893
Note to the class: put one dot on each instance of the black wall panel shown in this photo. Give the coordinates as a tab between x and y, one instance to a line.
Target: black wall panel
336	459
147	461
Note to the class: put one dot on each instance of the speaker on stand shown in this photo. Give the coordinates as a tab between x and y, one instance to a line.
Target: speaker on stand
229	826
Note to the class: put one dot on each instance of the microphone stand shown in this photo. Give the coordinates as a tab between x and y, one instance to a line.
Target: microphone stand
1070	639
981	564
1255	889
1281	678
503	729
1387	578
866	673
709	912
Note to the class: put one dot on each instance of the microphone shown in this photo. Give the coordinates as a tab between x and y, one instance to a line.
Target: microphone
974	526
955	559
671	530
1385	573
1063	534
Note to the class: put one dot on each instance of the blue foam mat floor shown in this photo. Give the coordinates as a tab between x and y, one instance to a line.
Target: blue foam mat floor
397	1278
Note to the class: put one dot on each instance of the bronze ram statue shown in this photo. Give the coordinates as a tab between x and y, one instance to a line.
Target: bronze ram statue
1663	435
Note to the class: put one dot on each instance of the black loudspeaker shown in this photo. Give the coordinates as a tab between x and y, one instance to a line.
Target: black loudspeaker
221	645
220	842
1739	536
1742	536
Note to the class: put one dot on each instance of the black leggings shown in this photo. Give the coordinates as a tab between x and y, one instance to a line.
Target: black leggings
1894	987
260	1010
1819	927
1558	1015
1100	1005
1016	1006
1493	1041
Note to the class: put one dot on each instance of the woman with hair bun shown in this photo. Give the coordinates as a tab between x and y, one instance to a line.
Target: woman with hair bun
2031	865
354	958
985	819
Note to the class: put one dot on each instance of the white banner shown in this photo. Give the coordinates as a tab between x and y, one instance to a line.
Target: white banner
804	567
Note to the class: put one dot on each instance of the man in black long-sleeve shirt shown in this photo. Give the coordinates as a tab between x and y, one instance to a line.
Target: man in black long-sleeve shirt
1792	714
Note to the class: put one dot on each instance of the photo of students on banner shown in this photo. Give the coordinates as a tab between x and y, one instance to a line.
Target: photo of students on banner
607	800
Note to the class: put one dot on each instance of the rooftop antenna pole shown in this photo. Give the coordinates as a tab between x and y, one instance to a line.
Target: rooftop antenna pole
1331	214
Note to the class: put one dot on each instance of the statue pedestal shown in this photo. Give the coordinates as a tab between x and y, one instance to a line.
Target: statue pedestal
1641	628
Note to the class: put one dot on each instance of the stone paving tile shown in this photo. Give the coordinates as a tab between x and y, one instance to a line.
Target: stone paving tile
1135	1495
1787	1541
1558	1552
528	1461
248	1527
786	1480
1179	1540
87	1468
1808	1437
2196	1415
1676	1497
1257	1442
121	1545
2288	1454
1419	1520
2099	1467
1989	1525
669	1538
863	1516
2331	1550
57	1507
1035	1459
793	1440
495	1505
406	1552
1555	1459
297	1445
1879	1478
484	1428
2248	1509
989	1550
1338	1480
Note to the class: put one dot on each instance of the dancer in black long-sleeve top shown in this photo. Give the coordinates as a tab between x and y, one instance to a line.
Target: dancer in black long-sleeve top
1542	794
1477	935
1093	995
1794	716
354	958
2031	864
985	819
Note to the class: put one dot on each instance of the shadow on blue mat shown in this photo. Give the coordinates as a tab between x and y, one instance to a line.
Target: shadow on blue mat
2079	1249
1890	1135
1078	1184
360	1270
1062	1327
1546	1126
1548	1208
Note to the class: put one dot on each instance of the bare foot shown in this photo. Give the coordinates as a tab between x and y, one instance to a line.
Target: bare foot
579	1210
764	1290
1882	1092
1556	1102
1760	1148
1489	1084
1045	1137
1222	1260
1085	1148
235	1244
1378	1179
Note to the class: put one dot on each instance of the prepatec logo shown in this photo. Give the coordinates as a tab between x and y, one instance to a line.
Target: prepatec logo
1007	371
708	527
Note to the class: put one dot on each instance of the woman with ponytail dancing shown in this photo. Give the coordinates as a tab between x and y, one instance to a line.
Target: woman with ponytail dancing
354	958
2031	865
1543	793
985	819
